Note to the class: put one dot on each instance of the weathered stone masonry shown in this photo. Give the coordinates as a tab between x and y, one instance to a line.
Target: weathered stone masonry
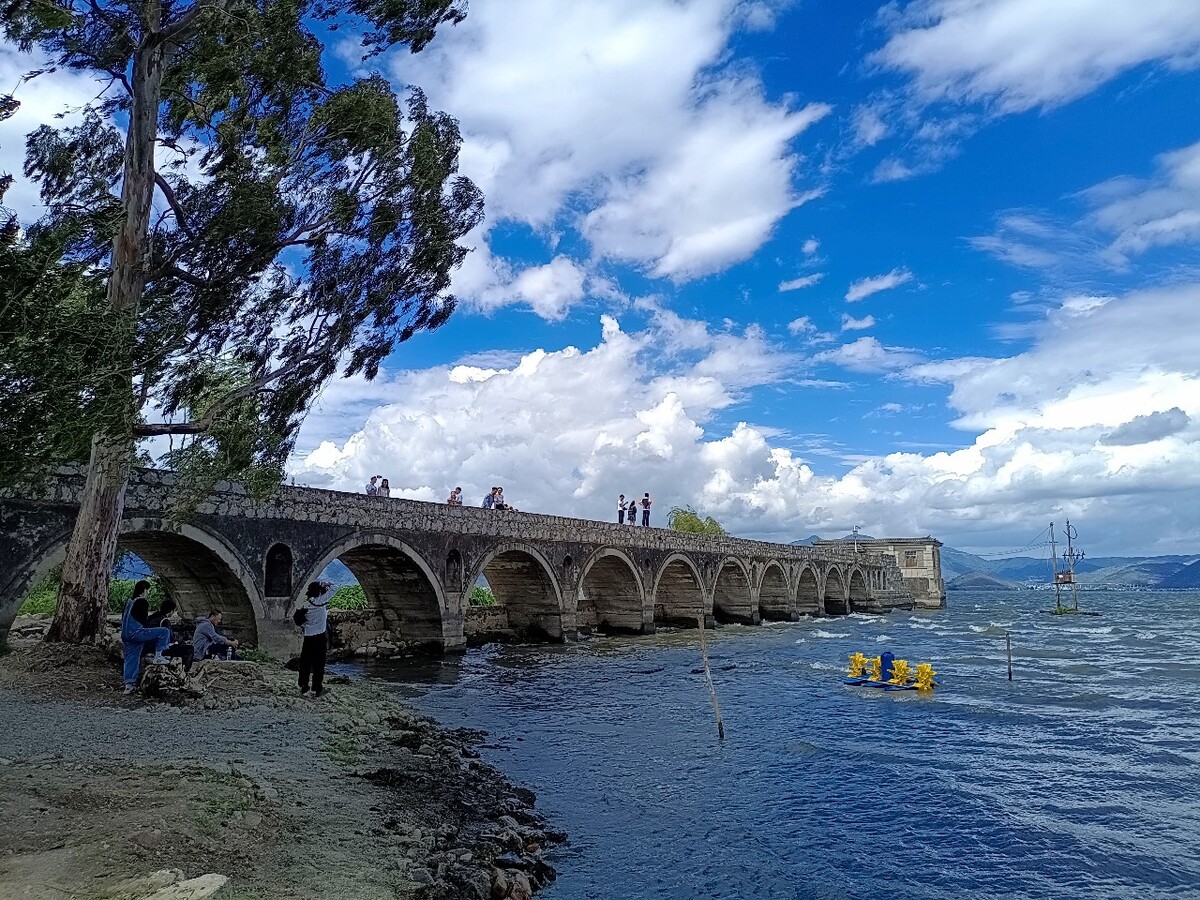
553	576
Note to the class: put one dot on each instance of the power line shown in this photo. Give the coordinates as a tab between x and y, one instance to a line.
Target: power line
1035	543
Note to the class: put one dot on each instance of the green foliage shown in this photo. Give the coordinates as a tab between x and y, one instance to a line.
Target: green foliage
685	518
480	596
43	599
350	596
261	159
256	656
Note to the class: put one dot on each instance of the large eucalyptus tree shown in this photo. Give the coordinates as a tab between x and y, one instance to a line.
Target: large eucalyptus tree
258	226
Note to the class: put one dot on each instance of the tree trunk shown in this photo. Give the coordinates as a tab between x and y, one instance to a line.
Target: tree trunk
83	593
83	597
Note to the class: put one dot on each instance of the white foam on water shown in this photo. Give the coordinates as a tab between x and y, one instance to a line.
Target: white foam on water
830	634
824	667
882	638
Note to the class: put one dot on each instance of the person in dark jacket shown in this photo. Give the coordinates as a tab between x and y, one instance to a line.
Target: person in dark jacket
316	638
182	650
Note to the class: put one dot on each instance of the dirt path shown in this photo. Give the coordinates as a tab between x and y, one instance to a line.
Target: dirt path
351	796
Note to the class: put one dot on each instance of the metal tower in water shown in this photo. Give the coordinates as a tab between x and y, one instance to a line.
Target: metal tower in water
1064	576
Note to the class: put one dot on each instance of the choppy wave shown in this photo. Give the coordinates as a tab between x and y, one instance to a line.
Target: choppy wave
1074	779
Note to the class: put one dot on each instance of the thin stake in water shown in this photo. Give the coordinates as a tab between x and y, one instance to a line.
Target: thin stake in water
1008	648
708	678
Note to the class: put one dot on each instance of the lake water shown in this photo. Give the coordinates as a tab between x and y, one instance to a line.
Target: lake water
1080	778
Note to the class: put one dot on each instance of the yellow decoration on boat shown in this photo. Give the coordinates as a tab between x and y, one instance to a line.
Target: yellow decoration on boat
925	675
900	672
876	669
858	665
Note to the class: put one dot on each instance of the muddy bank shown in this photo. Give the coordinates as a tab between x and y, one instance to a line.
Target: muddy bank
351	796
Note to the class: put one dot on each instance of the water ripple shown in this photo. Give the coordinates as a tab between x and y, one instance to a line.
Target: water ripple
1076	779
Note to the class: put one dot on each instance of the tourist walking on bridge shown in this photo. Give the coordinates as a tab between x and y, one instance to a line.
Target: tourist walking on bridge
646	504
621	510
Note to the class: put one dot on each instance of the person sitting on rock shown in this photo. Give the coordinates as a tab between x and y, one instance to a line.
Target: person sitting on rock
181	650
135	633
208	643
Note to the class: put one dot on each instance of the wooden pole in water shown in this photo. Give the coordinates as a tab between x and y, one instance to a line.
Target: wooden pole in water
708	677
1008	647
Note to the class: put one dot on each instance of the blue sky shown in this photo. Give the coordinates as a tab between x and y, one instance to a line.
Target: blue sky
987	213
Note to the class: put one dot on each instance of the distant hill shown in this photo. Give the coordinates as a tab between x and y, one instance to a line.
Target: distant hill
1187	577
981	581
1117	571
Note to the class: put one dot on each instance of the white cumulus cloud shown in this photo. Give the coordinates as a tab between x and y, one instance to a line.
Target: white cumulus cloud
575	117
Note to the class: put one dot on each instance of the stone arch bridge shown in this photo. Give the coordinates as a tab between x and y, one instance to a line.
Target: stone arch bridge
553	577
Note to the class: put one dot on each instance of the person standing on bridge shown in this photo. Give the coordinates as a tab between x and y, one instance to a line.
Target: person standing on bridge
621	510
313	651
373	486
631	515
385	489
646	504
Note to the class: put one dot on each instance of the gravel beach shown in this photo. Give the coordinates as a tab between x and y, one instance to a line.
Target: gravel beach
351	796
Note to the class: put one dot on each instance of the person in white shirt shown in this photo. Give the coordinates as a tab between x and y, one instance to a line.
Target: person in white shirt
316	639
621	510
373	488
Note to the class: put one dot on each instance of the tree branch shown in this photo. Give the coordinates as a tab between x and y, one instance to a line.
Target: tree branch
172	201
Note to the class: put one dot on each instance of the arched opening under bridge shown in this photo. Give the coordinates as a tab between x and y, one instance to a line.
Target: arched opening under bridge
733	600
774	599
610	595
679	594
835	594
808	593
522	583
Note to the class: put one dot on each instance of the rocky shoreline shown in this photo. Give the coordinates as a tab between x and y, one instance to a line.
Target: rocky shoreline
353	795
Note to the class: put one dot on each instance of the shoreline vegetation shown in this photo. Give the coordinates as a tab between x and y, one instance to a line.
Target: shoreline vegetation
353	796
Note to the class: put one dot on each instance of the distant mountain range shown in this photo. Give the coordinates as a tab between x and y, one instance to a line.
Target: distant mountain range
963	570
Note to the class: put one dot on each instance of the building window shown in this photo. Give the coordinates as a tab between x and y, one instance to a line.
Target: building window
912	559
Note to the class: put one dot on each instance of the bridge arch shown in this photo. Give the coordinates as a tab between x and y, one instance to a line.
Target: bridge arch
808	591
612	596
523	581
835	603
774	598
679	593
396	580
733	596
859	594
199	570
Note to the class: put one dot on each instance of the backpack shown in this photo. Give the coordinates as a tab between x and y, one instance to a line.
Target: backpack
300	617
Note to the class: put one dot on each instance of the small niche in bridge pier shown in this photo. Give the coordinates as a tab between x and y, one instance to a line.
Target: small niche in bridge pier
278	578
